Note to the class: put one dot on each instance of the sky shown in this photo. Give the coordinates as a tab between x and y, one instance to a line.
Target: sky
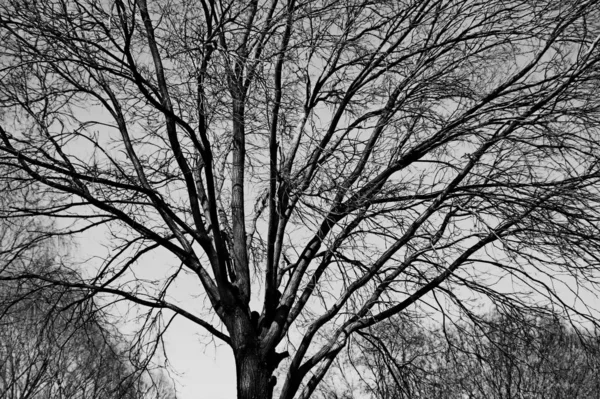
205	371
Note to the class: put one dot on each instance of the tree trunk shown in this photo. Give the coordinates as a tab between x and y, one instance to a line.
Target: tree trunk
253	376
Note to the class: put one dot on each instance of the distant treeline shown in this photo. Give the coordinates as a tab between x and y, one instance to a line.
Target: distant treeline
498	356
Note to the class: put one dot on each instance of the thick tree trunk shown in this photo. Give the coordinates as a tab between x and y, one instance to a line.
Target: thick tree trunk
253	376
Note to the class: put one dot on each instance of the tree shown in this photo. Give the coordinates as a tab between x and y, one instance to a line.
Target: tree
55	342
316	166
55	345
497	356
534	357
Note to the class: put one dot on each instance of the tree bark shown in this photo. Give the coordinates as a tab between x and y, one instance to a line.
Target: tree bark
253	375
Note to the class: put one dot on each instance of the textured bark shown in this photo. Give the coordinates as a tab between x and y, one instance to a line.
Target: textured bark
253	376
254	366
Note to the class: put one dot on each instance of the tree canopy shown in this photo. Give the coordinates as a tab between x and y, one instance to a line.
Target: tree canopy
314	167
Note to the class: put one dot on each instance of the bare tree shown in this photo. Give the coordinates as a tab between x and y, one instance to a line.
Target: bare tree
316	166
532	357
55	345
55	341
497	356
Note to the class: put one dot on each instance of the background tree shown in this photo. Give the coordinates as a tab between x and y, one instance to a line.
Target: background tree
53	346
55	341
316	166
532	357
497	356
